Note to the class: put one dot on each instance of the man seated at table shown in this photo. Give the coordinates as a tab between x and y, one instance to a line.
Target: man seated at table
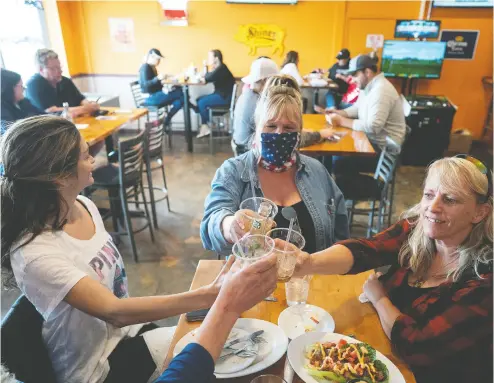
378	112
223	81
333	98
151	83
48	90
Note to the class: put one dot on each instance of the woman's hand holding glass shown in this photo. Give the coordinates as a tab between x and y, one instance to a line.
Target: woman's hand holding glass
304	262
241	223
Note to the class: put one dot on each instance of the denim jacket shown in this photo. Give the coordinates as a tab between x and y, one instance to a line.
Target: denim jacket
231	186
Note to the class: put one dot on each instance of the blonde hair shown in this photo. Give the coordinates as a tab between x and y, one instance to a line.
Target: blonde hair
461	178
280	97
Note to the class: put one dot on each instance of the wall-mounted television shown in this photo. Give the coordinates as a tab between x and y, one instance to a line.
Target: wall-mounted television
413	59
463	3
417	29
262	1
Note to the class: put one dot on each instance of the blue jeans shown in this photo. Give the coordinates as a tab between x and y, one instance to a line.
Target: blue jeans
175	98
204	103
335	100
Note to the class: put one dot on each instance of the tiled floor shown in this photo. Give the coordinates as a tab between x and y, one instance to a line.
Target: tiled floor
168	265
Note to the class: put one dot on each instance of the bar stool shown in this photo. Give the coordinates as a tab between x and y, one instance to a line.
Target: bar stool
222	114
153	160
122	183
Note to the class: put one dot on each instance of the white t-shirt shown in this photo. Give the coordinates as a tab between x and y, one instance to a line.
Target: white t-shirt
292	70
46	270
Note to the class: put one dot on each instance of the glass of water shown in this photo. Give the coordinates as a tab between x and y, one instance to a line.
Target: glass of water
252	248
297	290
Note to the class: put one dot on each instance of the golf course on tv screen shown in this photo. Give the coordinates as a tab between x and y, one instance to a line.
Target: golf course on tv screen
413	59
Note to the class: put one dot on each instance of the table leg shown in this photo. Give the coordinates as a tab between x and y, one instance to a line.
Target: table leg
188	127
110	148
315	98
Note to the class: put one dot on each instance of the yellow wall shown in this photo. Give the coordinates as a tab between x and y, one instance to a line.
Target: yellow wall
313	29
316	29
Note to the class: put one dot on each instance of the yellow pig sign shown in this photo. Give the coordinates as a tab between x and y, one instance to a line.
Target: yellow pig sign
261	35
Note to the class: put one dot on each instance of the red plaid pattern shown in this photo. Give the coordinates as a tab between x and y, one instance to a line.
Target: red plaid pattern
445	335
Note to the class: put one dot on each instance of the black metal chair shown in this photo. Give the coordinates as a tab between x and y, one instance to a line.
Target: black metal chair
223	115
158	112
373	188
123	183
23	349
391	198
153	160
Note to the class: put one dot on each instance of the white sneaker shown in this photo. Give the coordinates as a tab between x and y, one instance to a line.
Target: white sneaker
204	131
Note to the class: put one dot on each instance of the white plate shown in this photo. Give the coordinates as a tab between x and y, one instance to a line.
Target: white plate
296	320
230	364
269	352
81	126
296	355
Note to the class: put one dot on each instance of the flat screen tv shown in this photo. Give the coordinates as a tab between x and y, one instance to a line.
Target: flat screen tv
417	29
463	3
413	59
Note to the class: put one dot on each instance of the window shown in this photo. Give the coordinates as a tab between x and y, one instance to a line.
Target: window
22	32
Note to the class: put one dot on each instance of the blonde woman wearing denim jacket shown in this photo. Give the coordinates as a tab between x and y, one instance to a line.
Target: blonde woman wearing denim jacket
280	173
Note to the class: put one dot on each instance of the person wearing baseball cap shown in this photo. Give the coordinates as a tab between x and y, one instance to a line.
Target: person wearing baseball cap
378	112
333	98
152	84
243	116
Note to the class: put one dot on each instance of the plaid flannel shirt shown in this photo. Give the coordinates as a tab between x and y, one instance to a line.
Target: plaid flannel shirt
445	335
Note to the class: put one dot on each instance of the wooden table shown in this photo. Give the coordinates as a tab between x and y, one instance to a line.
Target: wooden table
352	143
99	130
337	294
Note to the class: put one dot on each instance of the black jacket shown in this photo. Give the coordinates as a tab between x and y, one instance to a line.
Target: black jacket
342	85
223	81
148	79
43	95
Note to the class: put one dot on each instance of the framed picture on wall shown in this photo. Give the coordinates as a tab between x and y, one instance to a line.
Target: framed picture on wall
460	44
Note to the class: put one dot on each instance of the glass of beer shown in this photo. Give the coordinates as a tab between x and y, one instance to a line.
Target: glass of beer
257	215
287	250
252	248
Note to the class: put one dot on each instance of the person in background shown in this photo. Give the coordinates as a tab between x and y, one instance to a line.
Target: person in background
279	173
435	302
290	67
151	84
14	106
243	116
241	290
56	250
333	99
223	81
48	90
378	112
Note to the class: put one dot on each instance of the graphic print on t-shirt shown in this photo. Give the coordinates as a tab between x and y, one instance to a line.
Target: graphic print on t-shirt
103	264
120	283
